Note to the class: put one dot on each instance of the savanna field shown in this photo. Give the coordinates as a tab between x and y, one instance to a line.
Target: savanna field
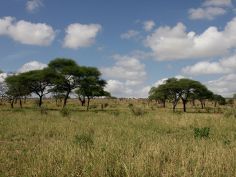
120	138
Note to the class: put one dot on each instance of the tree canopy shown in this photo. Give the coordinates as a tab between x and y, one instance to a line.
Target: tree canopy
175	90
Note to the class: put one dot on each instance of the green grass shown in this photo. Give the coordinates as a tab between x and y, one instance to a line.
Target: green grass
115	142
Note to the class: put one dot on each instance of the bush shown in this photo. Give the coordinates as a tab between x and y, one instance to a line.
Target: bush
202	132
65	112
85	140
93	106
137	111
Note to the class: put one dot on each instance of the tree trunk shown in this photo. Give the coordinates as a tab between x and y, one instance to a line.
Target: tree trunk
21	104
193	102
82	101
175	102
40	100
202	104
184	105
184	101
88	103
12	103
65	99
164	104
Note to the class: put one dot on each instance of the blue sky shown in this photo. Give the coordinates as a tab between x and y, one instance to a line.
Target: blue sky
135	43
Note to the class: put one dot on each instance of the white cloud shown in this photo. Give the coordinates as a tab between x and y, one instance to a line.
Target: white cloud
217	3
148	25
30	66
81	35
210	9
126	68
225	65
208	13
224	86
130	34
28	33
126	77
176	43
32	5
118	88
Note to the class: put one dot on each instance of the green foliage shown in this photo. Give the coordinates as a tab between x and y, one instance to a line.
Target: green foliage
202	132
137	111
181	89
85	140
65	112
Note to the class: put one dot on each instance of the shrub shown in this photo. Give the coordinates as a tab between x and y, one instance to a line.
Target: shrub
130	105
65	112
92	106
106	105
137	111
85	140
202	132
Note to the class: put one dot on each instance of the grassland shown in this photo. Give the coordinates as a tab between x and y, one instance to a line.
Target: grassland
115	142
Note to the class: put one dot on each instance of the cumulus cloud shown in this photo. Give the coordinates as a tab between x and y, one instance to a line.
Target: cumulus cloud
210	9
25	32
148	25
81	35
126	77
225	65
217	3
206	13
33	5
130	34
118	88
224	86
32	65
126	68
173	43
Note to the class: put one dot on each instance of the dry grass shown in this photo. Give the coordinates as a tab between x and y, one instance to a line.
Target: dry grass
114	142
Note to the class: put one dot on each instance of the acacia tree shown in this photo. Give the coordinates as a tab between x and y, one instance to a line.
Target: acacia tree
203	94
218	99
173	90
91	85
16	88
159	94
39	82
68	76
182	89
188	87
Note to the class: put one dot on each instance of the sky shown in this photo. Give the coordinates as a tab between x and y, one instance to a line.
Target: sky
136	44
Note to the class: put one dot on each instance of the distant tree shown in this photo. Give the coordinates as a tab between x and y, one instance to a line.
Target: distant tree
173	90
68	76
159	94
16	88
180	89
218	99
39	82
91	85
202	94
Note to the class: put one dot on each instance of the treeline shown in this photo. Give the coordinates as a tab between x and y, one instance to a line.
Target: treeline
185	90
60	78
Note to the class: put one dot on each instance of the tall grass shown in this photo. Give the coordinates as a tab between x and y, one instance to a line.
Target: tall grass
102	143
